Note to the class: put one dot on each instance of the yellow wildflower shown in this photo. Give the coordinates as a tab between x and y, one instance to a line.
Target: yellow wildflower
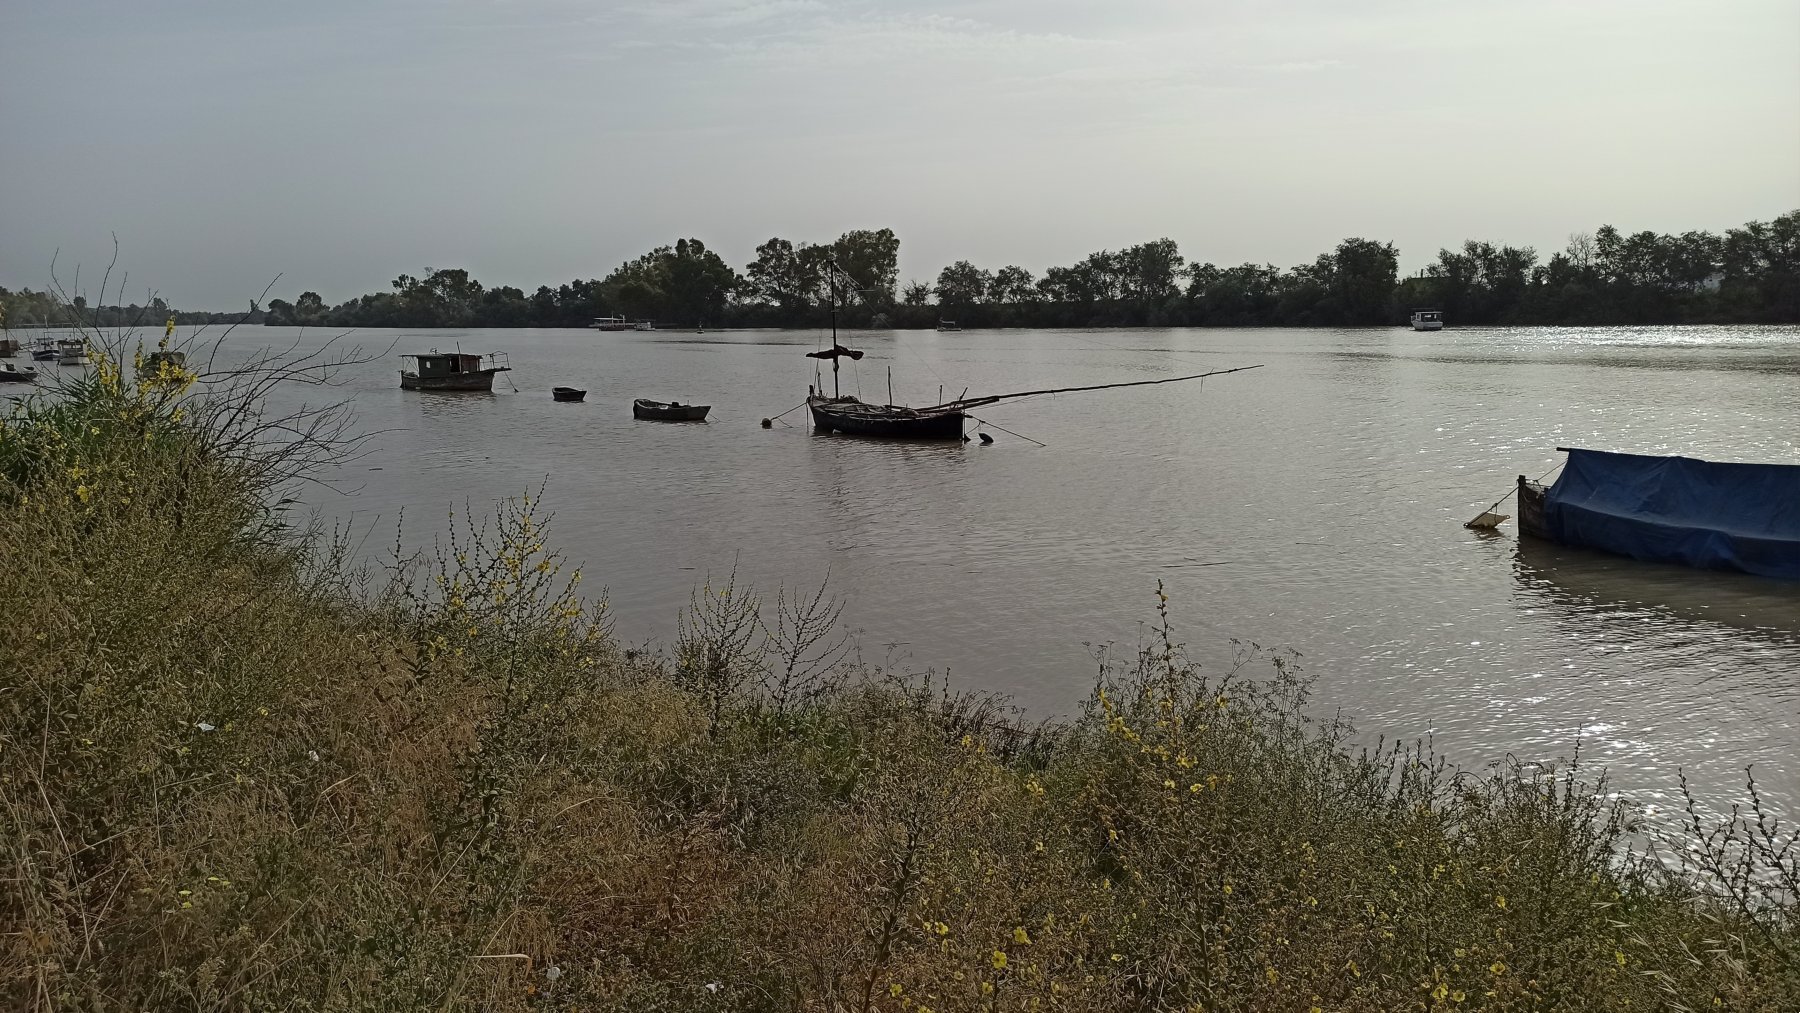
1021	937
895	990
999	960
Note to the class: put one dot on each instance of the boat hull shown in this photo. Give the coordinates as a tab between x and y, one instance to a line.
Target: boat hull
43	355
567	393
854	418
1531	509
657	411
18	376
476	381
1428	325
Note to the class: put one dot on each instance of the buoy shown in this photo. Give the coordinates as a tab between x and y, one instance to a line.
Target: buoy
985	438
768	424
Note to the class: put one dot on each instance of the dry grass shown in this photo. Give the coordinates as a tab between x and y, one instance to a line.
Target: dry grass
235	775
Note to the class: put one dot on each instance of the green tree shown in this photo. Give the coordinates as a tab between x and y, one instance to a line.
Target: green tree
872	260
775	276
1012	284
1363	276
697	281
962	285
309	308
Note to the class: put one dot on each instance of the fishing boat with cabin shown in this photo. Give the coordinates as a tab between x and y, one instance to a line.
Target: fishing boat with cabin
611	324
71	352
1711	515
452	371
1426	319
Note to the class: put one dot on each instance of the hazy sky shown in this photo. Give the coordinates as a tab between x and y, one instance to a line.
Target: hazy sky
343	143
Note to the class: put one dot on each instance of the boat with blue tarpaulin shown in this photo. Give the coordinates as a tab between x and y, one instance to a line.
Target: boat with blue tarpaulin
1712	515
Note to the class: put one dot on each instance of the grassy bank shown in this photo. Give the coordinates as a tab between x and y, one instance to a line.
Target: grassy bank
236	773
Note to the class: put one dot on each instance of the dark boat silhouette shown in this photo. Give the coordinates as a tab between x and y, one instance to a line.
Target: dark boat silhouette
669	411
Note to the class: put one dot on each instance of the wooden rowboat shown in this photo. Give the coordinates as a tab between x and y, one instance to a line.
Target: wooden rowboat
671	411
567	393
857	418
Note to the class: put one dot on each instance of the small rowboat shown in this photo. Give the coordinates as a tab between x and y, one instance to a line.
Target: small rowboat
10	373
672	411
567	393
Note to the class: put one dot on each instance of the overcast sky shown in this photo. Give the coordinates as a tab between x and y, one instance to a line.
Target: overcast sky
343	142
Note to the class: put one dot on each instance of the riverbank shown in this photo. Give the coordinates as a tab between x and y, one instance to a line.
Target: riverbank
237	772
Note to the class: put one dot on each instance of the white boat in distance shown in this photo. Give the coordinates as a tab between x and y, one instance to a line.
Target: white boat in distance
621	324
1427	320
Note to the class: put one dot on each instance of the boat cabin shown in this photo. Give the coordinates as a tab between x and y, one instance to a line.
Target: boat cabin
1426	319
434	365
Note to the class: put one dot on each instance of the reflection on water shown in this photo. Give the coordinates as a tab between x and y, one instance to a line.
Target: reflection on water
1577	580
1316	503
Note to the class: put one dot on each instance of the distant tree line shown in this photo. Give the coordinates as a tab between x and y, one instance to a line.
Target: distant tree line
26	308
1748	275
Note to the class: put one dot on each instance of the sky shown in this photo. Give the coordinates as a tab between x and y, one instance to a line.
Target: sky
340	143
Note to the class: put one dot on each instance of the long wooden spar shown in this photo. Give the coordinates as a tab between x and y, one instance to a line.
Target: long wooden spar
975	402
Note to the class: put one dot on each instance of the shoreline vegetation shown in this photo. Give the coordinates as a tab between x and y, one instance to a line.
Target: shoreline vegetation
1747	275
237	772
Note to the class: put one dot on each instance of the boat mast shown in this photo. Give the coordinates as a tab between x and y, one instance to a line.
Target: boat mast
832	265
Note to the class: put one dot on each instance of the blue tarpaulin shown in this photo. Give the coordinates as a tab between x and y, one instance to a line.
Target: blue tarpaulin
1680	510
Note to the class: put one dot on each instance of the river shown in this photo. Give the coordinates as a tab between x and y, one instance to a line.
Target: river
1315	504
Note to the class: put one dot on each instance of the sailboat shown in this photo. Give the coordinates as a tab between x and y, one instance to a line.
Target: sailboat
849	415
842	413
